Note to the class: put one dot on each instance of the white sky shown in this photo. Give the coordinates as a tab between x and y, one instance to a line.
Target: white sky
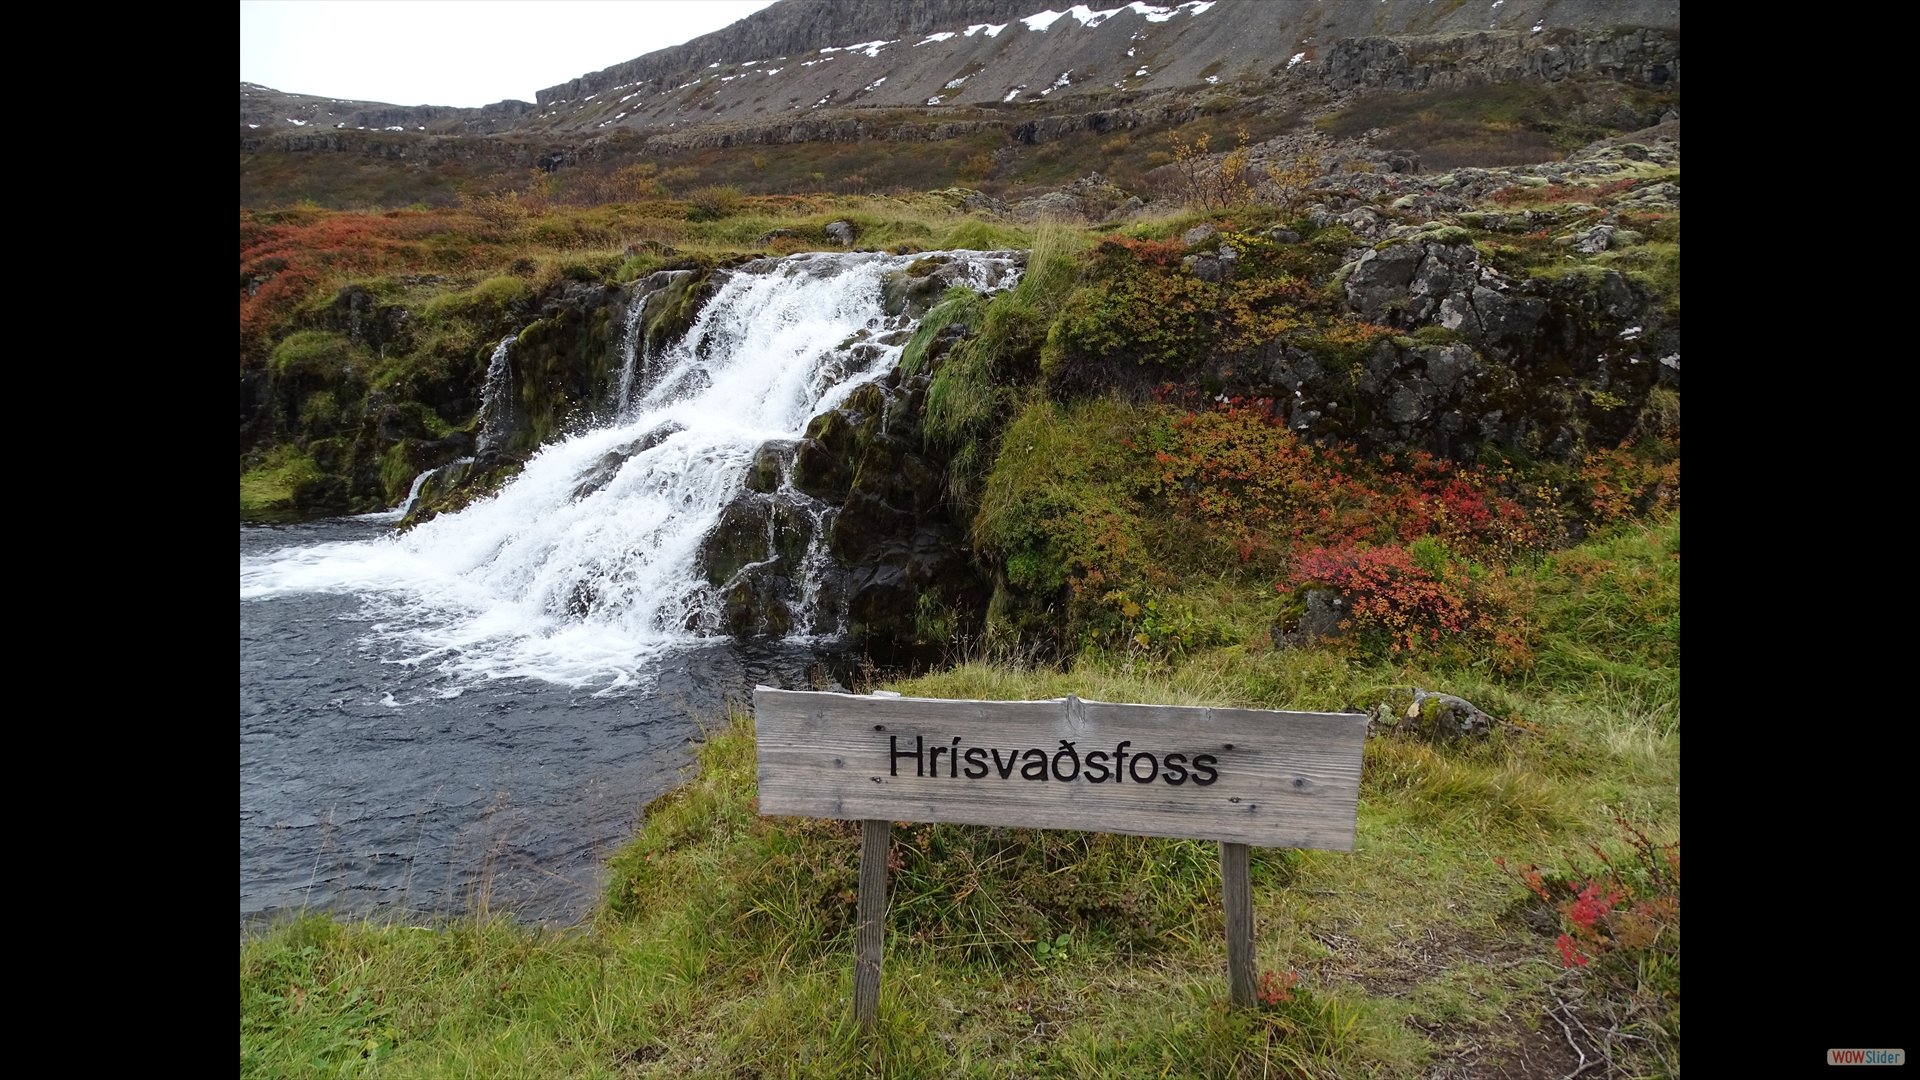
458	52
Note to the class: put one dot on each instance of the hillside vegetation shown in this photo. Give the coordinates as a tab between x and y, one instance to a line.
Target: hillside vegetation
724	946
1295	436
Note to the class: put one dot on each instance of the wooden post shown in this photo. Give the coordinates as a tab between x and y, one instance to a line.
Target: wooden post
1236	888
870	931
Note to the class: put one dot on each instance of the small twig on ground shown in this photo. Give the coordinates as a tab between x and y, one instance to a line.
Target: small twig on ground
1576	1046
1606	1049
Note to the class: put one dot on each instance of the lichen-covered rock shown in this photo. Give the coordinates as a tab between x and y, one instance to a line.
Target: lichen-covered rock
1324	615
1091	198
1424	714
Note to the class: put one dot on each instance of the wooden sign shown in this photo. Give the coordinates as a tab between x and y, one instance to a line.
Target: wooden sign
1240	776
1247	776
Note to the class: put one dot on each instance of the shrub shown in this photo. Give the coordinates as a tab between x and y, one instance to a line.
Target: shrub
715	202
1415	597
1286	185
1620	922
1205	184
500	211
1141	304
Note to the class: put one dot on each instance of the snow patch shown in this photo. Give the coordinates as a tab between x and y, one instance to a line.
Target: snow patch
870	48
931	38
1155	13
1090	18
935	99
990	28
1295	59
1042	20
1014	93
955	84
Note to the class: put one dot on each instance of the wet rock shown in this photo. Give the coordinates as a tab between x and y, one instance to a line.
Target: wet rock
608	465
841	232
739	538
771	463
891	536
823	465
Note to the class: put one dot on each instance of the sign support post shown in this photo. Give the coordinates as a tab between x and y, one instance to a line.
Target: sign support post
870	929
1236	896
1237	776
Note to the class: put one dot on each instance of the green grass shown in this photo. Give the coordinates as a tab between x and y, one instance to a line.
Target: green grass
724	945
266	491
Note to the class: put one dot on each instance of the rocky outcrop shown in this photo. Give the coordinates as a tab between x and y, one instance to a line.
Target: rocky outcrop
1092	198
1547	364
1440	62
857	511
366	445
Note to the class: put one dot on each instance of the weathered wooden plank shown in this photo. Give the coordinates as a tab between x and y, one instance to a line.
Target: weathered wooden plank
870	927
1236	892
1245	776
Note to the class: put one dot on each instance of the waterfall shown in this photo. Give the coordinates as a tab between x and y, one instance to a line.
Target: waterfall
636	351
636	324
496	398
584	570
413	493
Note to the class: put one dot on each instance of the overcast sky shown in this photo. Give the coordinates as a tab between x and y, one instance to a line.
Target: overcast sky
458	52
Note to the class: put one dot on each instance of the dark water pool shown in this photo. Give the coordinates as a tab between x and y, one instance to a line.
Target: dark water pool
372	787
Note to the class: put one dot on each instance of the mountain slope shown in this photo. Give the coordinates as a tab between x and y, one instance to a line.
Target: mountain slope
802	56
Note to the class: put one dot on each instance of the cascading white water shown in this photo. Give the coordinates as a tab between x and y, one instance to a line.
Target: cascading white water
496	396
586	583
636	352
